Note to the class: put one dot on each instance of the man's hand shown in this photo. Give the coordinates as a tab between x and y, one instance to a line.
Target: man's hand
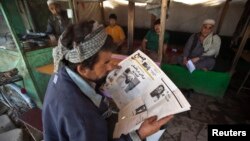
114	65
185	61
152	125
52	39
144	44
119	43
148	52
196	59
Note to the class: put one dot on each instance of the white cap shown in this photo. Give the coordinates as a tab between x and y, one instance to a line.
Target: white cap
209	21
51	1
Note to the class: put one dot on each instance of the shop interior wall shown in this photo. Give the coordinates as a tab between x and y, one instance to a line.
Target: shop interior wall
182	17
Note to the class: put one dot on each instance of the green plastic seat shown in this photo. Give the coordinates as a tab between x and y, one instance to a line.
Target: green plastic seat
205	82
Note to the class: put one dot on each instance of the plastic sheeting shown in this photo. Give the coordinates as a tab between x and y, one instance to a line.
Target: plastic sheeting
142	1
89	11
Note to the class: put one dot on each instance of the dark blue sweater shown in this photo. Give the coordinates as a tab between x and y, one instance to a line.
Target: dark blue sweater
69	115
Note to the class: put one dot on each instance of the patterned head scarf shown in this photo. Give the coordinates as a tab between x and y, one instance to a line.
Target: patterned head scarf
82	51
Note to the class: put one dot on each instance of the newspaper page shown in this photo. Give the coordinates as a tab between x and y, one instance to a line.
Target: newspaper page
190	65
141	89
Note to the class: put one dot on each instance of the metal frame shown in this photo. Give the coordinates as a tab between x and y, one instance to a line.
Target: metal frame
18	46
241	47
243	83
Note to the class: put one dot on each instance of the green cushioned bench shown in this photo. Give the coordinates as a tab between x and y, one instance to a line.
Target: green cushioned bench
205	82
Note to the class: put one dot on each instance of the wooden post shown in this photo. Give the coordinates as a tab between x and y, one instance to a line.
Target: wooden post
75	11
163	24
131	24
72	8
221	18
102	12
241	47
242	24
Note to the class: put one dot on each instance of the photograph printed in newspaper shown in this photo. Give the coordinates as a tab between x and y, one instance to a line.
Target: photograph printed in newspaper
141	89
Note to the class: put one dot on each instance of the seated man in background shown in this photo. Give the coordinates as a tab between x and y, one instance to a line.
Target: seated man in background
202	48
150	42
58	21
115	31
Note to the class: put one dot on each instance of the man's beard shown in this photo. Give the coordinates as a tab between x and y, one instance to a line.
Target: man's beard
99	83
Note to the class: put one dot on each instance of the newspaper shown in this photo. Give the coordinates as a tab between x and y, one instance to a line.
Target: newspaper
190	65
141	89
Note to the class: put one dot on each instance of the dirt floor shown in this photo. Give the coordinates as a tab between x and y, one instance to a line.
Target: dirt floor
192	125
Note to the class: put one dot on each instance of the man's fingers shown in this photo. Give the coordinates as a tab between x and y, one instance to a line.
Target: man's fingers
115	66
164	120
152	119
118	67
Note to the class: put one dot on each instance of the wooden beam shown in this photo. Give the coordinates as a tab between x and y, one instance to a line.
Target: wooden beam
163	25
131	24
72	8
241	47
242	24
102	12
246	17
222	16
75	10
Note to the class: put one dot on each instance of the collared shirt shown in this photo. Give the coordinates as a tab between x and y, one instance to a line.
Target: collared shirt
95	98
85	87
69	113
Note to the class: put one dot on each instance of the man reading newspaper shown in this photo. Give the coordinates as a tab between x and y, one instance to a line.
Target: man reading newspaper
73	110
141	89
